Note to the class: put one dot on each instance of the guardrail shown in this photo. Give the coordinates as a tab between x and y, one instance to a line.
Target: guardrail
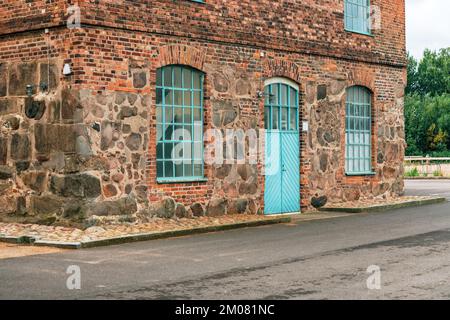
427	166
427	160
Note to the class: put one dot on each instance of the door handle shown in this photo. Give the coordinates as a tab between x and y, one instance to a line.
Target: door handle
283	168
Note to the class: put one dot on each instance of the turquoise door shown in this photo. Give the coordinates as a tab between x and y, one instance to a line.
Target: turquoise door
282	149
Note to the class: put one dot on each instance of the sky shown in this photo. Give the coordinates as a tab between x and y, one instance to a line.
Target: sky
427	25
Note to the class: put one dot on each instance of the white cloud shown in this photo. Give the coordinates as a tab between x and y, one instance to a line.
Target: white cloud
427	25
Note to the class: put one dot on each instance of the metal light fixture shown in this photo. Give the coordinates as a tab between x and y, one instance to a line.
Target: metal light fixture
29	90
67	70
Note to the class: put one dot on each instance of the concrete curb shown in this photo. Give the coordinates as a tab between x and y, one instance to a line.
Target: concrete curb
427	178
143	236
381	208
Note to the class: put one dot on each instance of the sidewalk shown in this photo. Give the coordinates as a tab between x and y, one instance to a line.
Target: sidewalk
73	238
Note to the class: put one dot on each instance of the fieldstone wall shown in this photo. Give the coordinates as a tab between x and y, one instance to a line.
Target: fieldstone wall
324	152
80	161
82	149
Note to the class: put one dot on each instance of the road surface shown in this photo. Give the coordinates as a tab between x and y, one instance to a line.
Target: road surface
324	259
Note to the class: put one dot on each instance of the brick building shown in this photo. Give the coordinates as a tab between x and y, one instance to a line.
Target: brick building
90	114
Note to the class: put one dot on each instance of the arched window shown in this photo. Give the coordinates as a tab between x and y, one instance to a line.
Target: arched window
281	105
179	124
357	16
358	131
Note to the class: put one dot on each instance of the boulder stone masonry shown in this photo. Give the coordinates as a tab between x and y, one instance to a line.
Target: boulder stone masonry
90	157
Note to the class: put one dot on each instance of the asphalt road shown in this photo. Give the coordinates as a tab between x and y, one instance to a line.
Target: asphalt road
324	259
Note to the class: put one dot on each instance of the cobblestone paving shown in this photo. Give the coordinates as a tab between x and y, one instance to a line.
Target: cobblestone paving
65	234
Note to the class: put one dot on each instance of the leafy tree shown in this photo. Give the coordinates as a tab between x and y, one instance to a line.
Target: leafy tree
433	73
412	85
427	104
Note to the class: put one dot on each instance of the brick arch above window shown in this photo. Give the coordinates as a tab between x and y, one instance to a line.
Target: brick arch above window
273	68
362	78
181	55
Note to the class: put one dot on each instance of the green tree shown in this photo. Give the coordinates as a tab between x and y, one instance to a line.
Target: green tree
433	73
427	104
412	84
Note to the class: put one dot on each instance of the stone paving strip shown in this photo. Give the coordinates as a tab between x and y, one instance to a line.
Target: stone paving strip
73	238
382	204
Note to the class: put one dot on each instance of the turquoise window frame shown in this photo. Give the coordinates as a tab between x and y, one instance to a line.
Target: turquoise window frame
358	131
357	16
179	105
275	103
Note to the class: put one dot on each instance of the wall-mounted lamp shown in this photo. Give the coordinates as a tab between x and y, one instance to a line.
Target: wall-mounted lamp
262	94
29	90
67	70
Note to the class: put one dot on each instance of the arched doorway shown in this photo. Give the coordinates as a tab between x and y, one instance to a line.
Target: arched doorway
282	150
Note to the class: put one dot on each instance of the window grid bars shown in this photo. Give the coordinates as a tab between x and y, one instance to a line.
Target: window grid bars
357	16
196	127
278	106
358	131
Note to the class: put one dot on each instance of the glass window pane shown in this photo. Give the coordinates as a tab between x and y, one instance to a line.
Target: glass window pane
168	130
266	117
168	148
159	151
267	95
197	84
187	98
197	98
177	77
274	97
198	170
293	98
188	133
168	169
198	150
159	133
168	77
179	170
159	77
197	114
178	115
187	115
159	117
168	97
188	172
275	118
178	98
187	151
160	169
187	78
284	118
168	115
198	132
293	119
159	96
284	95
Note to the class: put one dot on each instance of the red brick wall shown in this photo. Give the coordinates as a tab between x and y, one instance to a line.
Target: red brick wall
250	40
24	15
309	26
